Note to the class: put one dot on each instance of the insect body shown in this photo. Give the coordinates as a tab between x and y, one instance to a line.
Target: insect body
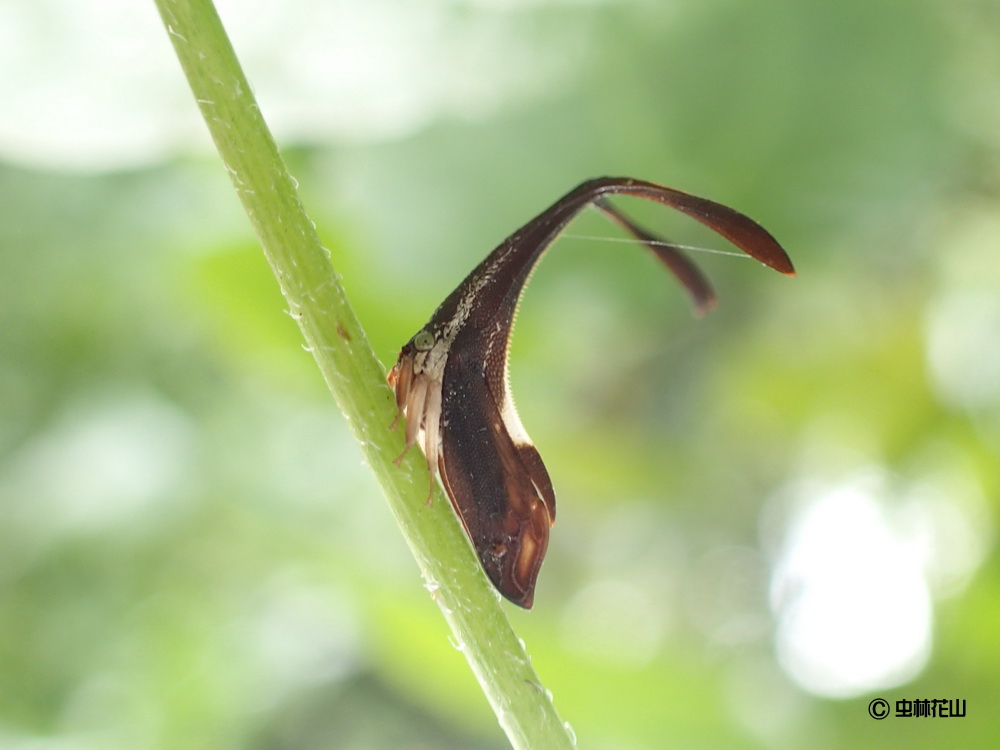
451	383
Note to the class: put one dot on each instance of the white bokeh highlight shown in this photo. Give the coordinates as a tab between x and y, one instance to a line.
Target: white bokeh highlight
849	591
95	84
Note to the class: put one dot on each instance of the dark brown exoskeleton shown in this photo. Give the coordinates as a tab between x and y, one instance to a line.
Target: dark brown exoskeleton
451	378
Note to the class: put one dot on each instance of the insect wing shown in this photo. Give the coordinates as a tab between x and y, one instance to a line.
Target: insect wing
499	489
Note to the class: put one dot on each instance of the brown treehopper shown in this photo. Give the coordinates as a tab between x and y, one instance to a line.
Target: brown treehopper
451	378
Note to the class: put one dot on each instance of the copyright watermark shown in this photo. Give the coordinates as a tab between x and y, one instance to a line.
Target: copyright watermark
927	708
878	709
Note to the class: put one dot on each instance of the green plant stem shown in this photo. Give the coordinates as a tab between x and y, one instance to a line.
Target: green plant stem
316	299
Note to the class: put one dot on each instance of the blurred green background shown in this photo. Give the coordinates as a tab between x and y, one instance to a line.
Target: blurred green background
768	517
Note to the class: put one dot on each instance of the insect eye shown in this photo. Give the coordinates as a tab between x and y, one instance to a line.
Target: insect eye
423	341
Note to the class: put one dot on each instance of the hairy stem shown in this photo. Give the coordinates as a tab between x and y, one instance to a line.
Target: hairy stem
356	378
